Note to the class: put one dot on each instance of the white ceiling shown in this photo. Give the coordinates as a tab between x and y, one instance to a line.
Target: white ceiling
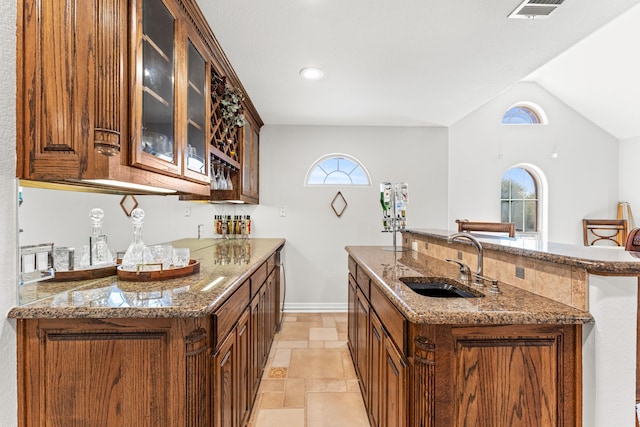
427	62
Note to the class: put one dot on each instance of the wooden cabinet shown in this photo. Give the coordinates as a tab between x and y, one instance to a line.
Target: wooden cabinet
362	341
486	375
105	372
232	403
189	372
119	92
351	316
249	189
516	375
239	159
377	391
170	107
394	383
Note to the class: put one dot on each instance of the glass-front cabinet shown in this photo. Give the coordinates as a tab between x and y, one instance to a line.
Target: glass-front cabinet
168	117
197	165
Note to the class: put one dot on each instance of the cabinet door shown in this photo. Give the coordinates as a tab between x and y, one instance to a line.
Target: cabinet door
225	382
156	68
250	161
71	94
244	372
196	151
257	332
377	390
362	341
395	386
351	317
501	368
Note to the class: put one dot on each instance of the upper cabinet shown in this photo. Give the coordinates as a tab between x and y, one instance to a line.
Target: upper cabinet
121	91
169	109
250	166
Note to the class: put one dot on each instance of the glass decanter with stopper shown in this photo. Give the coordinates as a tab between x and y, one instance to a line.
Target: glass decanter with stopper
99	253
133	255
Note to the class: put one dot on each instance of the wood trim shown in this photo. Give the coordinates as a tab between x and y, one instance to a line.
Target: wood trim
424	383
110	45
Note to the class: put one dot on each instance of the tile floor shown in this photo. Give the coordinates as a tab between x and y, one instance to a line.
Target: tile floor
309	380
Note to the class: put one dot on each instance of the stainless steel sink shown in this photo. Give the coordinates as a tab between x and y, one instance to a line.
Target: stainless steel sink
439	287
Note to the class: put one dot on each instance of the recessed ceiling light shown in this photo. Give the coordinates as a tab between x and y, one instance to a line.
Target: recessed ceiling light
311	73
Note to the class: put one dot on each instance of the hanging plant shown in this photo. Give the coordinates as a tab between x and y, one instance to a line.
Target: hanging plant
231	106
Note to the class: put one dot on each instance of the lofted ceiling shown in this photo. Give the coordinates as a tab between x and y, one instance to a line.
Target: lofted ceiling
427	62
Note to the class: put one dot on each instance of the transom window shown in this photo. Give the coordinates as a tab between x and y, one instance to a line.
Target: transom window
519	200
337	169
524	114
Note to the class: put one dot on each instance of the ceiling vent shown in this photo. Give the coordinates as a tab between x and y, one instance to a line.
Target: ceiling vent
535	9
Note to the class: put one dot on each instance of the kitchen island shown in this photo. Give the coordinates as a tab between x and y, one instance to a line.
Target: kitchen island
557	346
183	352
511	358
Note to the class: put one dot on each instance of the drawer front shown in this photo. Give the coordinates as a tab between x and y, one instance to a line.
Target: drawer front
228	314
393	321
258	278
363	281
271	263
352	267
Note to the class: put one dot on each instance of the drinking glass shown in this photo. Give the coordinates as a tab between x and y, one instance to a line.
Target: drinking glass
229	184
222	182
61	258
181	257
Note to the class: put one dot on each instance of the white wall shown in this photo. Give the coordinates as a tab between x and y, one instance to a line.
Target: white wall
315	258
583	180
609	352
628	189
8	231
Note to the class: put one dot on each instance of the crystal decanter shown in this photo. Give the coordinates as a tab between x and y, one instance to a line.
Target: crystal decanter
133	255
99	253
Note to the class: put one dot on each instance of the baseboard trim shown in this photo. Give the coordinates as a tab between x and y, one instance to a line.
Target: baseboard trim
315	307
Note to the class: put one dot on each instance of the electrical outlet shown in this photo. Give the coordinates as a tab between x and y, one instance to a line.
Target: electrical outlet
519	272
187	211
459	254
283	211
414	246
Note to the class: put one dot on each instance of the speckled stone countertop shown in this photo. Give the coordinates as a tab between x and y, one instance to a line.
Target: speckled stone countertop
511	306
595	259
224	265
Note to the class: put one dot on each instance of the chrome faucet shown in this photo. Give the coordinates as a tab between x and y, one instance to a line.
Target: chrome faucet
475	243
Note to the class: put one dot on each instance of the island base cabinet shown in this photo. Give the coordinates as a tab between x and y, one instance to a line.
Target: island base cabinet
515	375
435	375
115	372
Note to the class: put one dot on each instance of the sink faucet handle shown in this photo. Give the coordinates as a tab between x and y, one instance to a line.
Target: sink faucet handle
465	273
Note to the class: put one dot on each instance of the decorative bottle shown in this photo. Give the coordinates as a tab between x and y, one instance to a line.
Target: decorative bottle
133	255
99	253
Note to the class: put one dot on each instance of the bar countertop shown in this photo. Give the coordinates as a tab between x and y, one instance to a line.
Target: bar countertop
224	266
607	260
511	306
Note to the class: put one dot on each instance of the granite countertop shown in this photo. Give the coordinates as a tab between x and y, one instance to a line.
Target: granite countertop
511	306
224	265
595	259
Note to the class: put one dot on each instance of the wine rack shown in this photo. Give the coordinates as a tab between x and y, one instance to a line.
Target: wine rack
225	139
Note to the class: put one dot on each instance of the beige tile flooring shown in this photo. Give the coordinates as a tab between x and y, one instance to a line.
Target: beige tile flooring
309	380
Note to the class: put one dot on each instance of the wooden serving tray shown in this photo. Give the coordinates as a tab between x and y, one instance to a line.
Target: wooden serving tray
91	273
149	276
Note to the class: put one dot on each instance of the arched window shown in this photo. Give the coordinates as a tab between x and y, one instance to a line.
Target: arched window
337	169
520	200
524	113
